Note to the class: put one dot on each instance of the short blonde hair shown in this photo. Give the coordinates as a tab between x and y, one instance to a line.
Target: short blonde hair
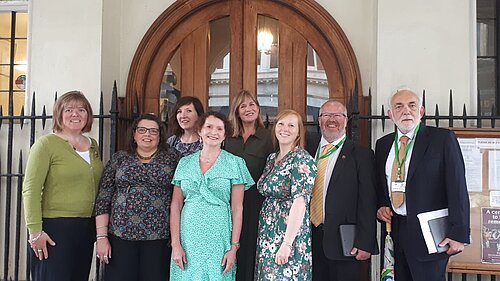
300	138
71	97
234	115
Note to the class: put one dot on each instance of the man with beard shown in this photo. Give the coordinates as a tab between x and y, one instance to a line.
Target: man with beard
427	175
344	194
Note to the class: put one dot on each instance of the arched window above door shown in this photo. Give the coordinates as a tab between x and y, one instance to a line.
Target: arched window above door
291	54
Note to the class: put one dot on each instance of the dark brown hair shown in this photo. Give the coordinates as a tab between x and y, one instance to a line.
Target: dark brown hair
174	125
71	97
162	144
228	129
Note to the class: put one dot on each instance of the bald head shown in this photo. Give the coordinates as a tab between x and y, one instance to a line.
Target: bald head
406	110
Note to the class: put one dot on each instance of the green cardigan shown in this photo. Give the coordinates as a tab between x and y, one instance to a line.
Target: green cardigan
58	182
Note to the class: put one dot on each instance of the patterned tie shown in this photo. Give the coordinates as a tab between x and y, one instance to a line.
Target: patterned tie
317	192
397	196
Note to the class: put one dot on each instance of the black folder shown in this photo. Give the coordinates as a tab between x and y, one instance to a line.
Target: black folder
347	235
439	228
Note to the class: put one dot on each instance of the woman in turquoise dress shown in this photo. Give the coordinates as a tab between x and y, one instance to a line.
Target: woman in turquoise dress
207	207
284	238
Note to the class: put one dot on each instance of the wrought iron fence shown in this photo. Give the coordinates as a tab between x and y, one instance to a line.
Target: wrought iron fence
15	131
23	127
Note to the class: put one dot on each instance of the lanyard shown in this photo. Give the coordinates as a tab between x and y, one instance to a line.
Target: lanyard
396	150
329	152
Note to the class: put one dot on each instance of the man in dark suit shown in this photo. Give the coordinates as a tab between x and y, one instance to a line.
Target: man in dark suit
344	194
431	177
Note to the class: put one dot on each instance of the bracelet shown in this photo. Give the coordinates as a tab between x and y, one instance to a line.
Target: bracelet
33	240
102	226
101	236
289	245
236	244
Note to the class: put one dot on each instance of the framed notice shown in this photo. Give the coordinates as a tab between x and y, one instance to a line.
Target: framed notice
490	235
481	152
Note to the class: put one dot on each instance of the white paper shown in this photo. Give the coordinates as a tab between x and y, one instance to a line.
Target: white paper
495	199
424	219
473	164
494	169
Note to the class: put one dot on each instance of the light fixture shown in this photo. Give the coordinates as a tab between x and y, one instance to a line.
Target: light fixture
265	41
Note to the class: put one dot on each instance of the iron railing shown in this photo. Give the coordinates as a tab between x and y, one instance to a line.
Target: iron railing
22	128
15	249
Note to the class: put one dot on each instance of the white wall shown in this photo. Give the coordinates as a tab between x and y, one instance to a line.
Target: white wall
358	20
65	49
426	45
137	17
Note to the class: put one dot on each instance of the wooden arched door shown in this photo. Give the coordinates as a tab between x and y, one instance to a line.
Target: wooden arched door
213	49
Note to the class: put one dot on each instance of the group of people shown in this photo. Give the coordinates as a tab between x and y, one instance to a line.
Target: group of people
226	199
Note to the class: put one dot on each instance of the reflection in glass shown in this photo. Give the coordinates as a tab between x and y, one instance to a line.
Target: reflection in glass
169	92
218	65
486	84
317	85
486	39
267	65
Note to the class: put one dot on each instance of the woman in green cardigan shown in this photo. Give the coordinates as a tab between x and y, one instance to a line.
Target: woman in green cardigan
59	192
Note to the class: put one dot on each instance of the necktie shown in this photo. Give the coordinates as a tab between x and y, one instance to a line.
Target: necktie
317	192
398	197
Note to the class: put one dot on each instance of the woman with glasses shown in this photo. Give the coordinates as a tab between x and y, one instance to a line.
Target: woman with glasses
132	209
185	138
59	192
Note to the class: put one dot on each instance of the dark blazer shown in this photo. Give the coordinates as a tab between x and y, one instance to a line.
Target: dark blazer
435	180
350	199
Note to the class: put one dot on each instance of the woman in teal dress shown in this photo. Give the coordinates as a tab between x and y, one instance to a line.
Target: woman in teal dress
284	238
207	207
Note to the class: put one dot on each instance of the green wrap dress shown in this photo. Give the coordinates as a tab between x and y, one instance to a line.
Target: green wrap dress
206	225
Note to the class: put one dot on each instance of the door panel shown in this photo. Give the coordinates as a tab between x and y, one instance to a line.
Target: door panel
185	26
292	71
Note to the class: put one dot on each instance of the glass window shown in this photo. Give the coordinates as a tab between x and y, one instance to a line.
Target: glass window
487	58
267	65
317	85
169	92
13	67
218	65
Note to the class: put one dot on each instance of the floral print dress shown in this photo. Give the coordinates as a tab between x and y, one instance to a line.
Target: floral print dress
281	183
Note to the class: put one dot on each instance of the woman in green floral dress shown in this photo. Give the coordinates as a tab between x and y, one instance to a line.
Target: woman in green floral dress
284	238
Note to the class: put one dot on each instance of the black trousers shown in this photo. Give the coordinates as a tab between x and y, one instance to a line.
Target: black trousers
71	258
407	267
138	260
325	269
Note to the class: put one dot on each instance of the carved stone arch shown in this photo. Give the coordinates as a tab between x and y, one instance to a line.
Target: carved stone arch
185	17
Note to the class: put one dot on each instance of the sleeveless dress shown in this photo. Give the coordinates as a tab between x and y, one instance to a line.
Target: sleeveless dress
205	227
281	183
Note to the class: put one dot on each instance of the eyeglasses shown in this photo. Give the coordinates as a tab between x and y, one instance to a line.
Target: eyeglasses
143	130
327	115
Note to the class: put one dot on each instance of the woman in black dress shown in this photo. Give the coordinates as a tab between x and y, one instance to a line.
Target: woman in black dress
253	142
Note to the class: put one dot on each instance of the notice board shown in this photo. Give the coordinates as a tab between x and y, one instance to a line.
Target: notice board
481	151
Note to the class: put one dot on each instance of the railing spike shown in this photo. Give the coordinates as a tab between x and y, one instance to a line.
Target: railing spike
383	118
436	114
493	114
44	118
21	119
464	114
450	110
